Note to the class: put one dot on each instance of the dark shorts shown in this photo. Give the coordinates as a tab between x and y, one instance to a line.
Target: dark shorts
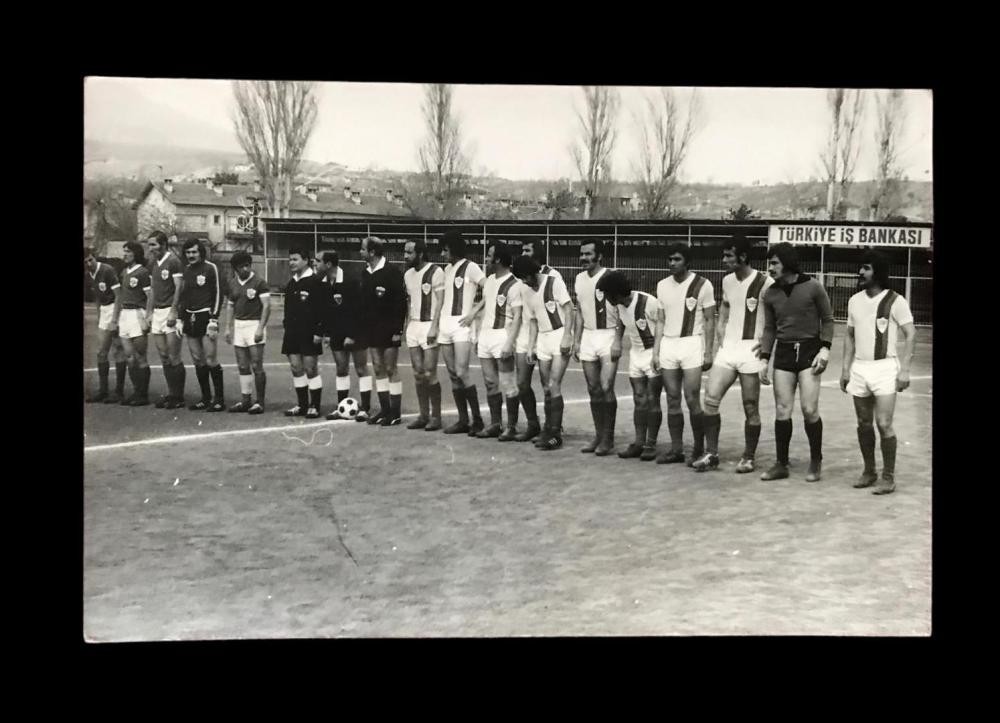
298	341
337	343
380	337
796	356
195	324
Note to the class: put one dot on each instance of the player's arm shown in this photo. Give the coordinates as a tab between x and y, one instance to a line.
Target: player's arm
577	327
437	303
229	320
176	304
661	322
532	338
720	327
709	312
765	346
476	307
848	359
147	319
317	306
265	314
118	304
616	345
825	310
513	328
904	319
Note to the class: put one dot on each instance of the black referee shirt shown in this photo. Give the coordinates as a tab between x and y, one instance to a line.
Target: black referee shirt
384	297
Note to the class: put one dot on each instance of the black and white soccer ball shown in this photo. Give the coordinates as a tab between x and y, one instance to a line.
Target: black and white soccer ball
348	408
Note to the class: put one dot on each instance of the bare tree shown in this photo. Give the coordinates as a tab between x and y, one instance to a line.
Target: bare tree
274	120
592	149
890	114
445	164
840	157
665	134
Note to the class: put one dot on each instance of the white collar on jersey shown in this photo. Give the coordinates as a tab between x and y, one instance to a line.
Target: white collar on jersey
164	258
306	273
340	276
242	282
132	268
96	270
378	266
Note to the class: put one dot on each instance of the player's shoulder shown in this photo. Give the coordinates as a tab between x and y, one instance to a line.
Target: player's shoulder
729	279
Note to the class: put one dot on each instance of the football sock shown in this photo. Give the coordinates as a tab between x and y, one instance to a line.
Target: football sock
343	387
103	370
640	418
555	427
653	422
216	374
495	402
866	438
472	399
513	404
889	455
301	385
315	391
675	423
712	423
246	387
120	372
595	414
434	392
365	389
396	399
260	382
611	413
814	431
382	388
782	438
751	432
459	394
530	404
698	432
206	390
422	401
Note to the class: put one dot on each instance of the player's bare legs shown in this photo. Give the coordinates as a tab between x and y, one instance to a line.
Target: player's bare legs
720	379
809	388
750	390
673	382
592	374
109	349
457	358
491	380
198	358
640	411
784	384
135	349
259	377
243	363
527	396
508	387
877	411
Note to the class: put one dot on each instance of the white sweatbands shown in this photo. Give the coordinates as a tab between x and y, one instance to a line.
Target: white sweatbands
246	383
300	381
344	382
396	388
382	385
365	384
316	382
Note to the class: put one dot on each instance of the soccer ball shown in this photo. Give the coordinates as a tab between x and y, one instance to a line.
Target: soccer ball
348	408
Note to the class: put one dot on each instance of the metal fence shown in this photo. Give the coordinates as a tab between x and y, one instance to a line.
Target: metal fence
638	249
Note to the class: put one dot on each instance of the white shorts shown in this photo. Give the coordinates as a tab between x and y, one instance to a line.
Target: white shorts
739	357
158	325
596	343
521	345
128	323
547	344
244	331
876	377
640	363
106	314
491	343
682	352
416	334
449	330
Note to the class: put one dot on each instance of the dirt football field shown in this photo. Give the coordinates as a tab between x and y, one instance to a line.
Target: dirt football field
202	526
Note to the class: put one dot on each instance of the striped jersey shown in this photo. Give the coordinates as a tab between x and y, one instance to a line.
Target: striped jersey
876	321
545	305
502	296
420	289
745	299
202	288
598	312
683	304
460	282
639	319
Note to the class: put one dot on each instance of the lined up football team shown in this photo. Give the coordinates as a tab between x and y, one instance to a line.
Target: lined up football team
514	315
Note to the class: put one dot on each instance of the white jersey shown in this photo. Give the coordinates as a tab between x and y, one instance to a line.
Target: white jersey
545	305
639	319
420	289
876	321
501	296
460	281
550	271
683	304
745	299
598	312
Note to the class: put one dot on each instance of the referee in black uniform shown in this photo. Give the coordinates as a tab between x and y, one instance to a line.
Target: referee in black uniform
304	334
383	297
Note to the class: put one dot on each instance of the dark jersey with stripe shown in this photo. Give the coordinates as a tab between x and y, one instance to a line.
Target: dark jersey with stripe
135	285
104	281
163	273
202	288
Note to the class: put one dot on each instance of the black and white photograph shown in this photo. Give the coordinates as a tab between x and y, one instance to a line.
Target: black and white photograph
457	360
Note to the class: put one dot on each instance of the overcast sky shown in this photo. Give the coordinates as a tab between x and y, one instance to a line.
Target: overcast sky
522	132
